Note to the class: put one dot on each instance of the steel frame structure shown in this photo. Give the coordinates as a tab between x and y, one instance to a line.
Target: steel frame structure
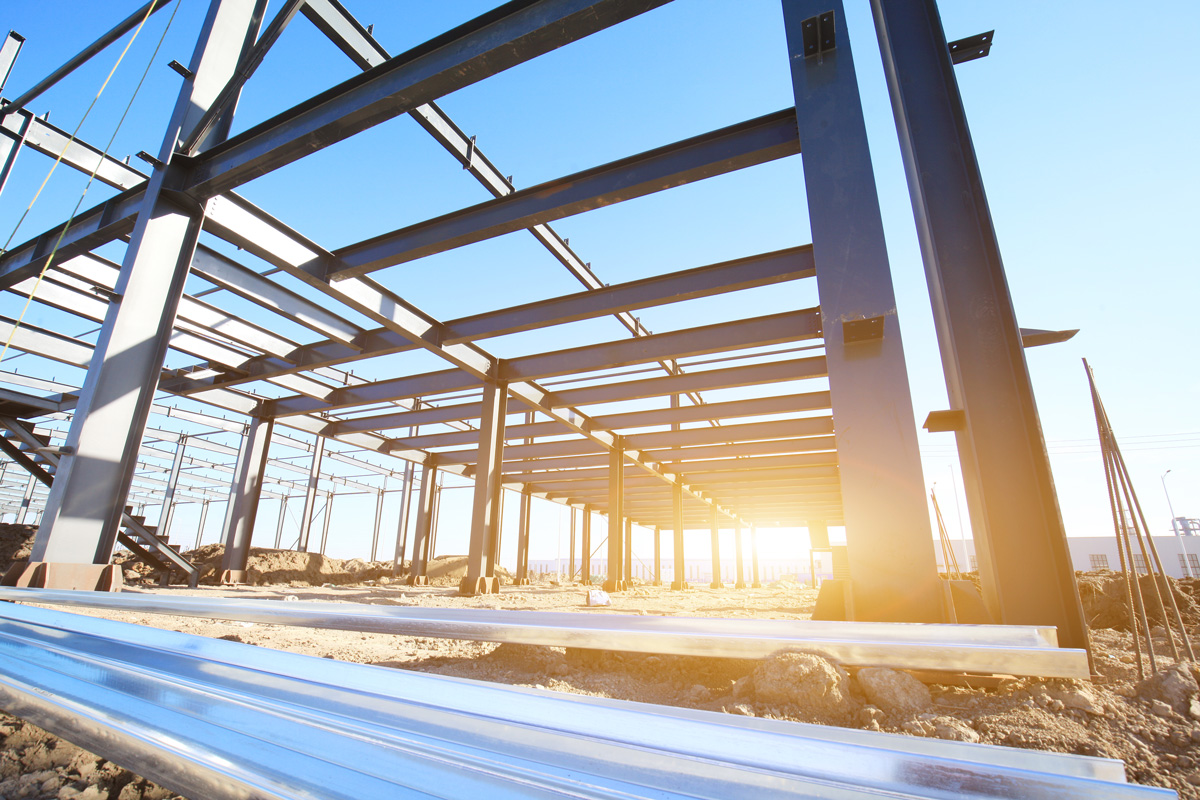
830	408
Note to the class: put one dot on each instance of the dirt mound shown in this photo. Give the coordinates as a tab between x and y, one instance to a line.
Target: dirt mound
15	543
1105	605
449	570
37	765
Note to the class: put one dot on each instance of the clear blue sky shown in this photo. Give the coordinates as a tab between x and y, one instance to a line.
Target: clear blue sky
1087	147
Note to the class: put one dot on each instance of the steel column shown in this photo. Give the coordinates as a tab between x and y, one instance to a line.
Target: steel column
421	536
892	565
657	555
755	583
168	506
8	56
27	500
243	500
571	564
11	144
737	541
83	513
616	518
522	577
628	549
485	520
203	519
679	579
325	521
378	520
402	522
437	511
310	493
283	504
585	565
717	582
1024	563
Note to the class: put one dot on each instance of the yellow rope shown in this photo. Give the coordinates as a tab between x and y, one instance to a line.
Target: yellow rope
91	178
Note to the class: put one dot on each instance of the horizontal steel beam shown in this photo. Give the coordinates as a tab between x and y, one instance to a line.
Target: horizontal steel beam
737	335
156	700
969	648
708	380
674	287
738	146
492	43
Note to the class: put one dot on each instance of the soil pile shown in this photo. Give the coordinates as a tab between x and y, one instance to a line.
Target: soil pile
15	543
1105	605
37	765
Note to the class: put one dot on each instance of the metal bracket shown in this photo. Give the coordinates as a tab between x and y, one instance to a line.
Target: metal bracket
945	421
855	331
57	450
470	160
971	48
151	160
819	35
182	70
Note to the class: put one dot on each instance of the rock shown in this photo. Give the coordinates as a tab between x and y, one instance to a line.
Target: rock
1179	738
1160	709
1194	708
131	576
1176	687
1080	698
805	682
1194	779
954	730
894	692
743	686
598	597
743	709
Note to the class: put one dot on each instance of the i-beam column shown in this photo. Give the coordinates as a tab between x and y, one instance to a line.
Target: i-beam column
680	578
83	512
522	577
168	507
424	529
310	493
717	583
893	571
243	501
402	523
585	564
485	510
737	541
1024	562
616	514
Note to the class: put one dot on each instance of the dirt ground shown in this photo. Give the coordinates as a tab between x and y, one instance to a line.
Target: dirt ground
1152	725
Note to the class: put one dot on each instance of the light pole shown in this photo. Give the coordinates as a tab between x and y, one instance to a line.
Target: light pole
1187	567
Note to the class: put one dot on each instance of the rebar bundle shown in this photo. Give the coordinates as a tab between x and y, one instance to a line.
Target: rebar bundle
1128	518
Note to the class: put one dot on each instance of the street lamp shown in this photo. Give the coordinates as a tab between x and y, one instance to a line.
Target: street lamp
1187	567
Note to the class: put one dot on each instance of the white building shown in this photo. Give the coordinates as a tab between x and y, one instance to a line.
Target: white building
1100	552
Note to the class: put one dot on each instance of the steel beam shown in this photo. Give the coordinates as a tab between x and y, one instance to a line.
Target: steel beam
168	504
738	146
740	582
402	521
8	55
88	497
678	579
754	582
247	484
616	519
1024	562
892	565
737	335
717	583
485	520
522	576
123	27
310	493
489	44
423	535
585	561
729	377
